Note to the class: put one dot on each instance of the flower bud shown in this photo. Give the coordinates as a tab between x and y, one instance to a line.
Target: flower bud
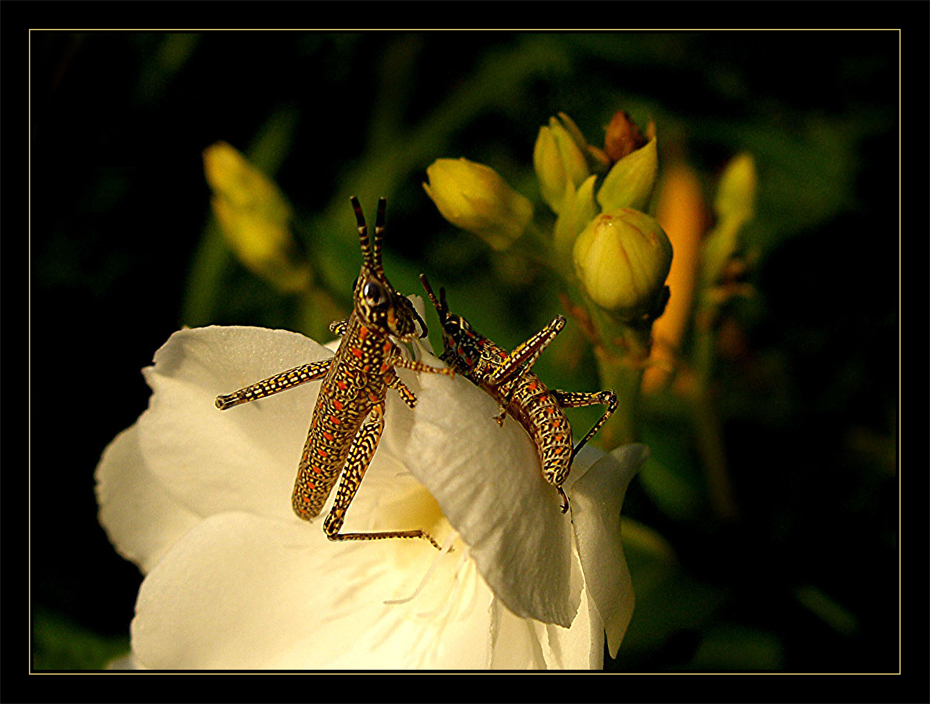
735	205
623	137
577	211
736	192
630	182
254	217
474	197
622	258
560	157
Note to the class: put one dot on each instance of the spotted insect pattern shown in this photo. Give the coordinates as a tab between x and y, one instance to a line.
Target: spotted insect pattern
507	378
348	419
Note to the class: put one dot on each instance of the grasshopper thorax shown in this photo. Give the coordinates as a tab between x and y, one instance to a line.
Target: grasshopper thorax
462	344
377	303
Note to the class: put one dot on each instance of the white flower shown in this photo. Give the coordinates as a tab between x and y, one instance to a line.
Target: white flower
200	500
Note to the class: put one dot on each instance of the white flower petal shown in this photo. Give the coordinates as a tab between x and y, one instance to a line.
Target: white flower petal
597	497
141	517
516	644
243	458
488	482
580	647
246	592
124	662
526	644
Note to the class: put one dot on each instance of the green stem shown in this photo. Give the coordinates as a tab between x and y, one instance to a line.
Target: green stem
209	266
621	350
707	426
624	380
711	448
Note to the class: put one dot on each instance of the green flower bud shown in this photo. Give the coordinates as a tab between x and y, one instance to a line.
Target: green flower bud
559	158
630	182
623	258
474	197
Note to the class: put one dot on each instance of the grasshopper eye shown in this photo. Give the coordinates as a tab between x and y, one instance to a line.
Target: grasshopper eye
454	323
373	293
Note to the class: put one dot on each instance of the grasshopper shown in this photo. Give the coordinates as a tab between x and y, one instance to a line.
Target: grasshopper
348	419
507	378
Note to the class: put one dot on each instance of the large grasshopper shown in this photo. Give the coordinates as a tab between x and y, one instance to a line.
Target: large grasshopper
507	378
348	418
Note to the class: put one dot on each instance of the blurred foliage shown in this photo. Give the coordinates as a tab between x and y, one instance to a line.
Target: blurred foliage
59	644
801	392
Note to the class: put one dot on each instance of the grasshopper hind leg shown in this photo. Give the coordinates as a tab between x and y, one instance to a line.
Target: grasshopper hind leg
360	454
578	399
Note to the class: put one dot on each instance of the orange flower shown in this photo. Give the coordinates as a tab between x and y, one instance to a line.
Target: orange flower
681	213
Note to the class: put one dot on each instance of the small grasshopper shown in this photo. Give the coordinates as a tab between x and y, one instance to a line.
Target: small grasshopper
348	418
508	380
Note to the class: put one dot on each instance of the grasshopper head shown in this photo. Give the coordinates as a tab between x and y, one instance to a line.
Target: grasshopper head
462	344
377	303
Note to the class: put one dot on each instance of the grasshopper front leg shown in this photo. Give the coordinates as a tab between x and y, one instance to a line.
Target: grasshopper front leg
274	384
360	454
339	327
395	382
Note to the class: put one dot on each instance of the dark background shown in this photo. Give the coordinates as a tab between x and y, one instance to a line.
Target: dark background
120	214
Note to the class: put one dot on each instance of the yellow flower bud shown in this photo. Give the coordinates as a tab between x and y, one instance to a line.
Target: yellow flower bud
735	205
622	258
578	210
254	217
560	157
475	198
630	182
736	192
